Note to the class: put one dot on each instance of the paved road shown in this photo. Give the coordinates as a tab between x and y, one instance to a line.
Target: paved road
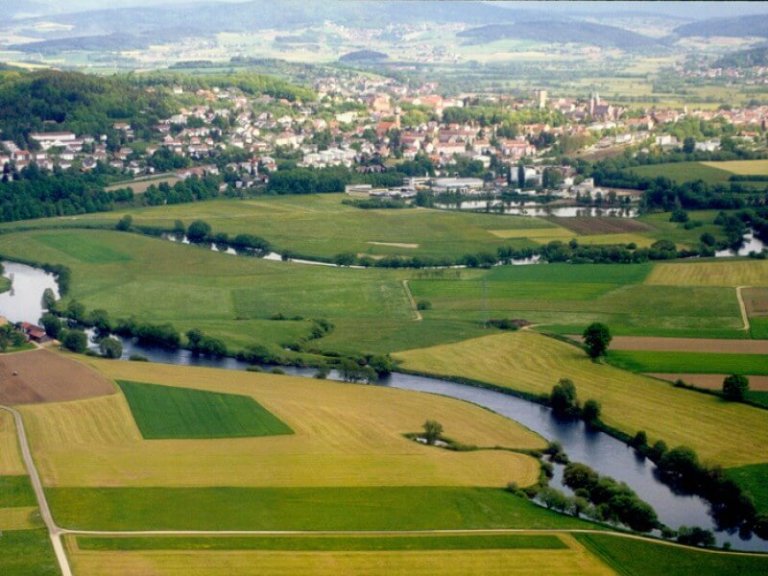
54	531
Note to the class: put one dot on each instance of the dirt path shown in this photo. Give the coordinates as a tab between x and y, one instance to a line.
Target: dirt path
416	314
742	307
54	531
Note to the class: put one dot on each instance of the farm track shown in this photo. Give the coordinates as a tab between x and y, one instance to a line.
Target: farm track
55	533
743	307
416	314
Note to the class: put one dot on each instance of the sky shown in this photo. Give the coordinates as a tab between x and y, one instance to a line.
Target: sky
685	9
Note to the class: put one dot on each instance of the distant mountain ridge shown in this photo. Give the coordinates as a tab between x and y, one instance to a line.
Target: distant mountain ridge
742	26
561	31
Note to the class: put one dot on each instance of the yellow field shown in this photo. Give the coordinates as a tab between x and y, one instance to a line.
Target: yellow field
542	235
575	560
742	167
729	434
10	459
639	239
743	273
346	435
18	518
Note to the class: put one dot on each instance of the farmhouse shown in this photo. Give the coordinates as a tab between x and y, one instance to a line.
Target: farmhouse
33	332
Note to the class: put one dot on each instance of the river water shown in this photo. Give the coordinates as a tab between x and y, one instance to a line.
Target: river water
600	451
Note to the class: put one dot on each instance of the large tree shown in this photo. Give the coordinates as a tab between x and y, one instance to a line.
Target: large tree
735	387
597	337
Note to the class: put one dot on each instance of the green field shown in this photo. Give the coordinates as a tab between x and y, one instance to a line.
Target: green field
27	553
183	413
742	167
752	479
376	508
332	543
689	362
566	298
637	558
320	225
16	491
680	172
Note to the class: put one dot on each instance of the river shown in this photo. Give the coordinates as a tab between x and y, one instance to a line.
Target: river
602	452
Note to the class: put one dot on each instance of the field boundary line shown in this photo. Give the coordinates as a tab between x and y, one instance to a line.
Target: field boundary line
54	532
416	314
743	307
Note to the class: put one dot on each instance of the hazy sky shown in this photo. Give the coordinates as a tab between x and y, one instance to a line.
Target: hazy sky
688	9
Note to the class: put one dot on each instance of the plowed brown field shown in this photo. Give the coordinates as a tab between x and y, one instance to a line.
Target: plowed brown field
713	381
44	376
687	345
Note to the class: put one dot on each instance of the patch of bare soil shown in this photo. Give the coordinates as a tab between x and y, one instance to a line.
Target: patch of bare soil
756	301
44	376
713	381
586	225
688	345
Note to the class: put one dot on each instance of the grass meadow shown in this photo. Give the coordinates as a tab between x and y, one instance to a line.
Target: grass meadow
689	362
680	172
378	508
345	436
182	413
752	479
629	557
566	298
730	435
349	543
27	553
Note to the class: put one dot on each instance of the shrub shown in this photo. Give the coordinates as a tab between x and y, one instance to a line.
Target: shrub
735	387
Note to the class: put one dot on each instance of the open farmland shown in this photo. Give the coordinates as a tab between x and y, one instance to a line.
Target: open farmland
606	226
730	435
344	436
27	552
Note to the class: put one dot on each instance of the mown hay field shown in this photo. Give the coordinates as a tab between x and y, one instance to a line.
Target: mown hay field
572	561
742	167
18	518
725	433
345	435
10	458
724	273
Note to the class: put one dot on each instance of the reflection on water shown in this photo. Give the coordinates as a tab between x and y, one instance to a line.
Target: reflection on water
23	303
535	209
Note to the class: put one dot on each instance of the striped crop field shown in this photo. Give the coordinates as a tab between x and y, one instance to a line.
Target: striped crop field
730	434
570	561
740	273
345	435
